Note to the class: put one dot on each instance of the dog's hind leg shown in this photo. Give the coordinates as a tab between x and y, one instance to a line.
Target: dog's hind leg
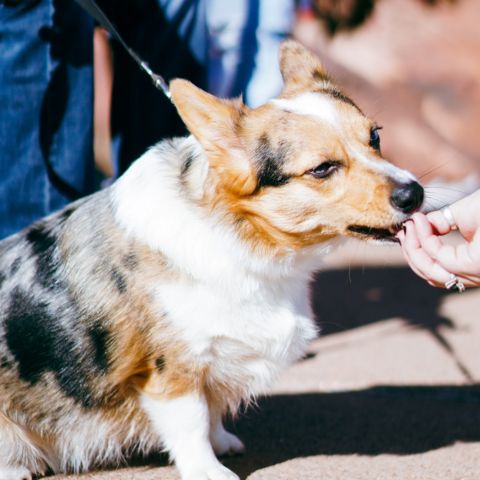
20	457
223	442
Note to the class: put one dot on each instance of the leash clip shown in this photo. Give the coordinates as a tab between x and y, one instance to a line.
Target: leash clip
157	80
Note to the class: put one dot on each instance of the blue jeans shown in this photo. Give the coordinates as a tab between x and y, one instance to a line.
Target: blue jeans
46	109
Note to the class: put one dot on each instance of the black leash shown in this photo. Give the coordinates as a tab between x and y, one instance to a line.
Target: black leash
96	12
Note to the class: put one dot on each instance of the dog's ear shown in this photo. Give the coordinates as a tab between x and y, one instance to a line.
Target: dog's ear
214	123
300	68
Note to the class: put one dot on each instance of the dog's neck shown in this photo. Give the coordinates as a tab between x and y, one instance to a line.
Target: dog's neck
158	201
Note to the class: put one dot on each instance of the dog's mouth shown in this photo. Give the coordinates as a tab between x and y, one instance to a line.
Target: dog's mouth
382	234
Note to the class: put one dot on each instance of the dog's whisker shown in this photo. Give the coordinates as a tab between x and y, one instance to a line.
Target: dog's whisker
446	189
433	169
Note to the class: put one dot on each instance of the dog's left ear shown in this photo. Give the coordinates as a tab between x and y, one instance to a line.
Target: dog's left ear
300	68
214	123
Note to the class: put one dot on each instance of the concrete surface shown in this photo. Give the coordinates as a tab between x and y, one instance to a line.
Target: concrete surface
391	390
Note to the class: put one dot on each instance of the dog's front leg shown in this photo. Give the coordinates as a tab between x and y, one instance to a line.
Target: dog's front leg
183	424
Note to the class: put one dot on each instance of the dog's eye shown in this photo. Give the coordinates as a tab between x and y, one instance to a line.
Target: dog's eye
325	169
375	138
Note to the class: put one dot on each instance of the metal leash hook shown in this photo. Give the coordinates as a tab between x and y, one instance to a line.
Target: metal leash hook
157	80
96	12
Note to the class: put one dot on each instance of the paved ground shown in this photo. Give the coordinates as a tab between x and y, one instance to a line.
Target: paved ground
391	390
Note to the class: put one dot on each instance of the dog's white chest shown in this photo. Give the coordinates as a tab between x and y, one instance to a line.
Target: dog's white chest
246	338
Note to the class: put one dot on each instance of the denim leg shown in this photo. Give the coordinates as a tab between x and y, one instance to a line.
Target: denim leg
46	98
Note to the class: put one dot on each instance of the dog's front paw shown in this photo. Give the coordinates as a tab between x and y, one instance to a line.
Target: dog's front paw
225	443
218	472
15	473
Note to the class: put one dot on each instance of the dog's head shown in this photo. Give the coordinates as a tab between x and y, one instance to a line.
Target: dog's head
301	169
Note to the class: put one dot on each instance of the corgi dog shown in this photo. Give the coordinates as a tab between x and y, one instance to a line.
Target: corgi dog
135	319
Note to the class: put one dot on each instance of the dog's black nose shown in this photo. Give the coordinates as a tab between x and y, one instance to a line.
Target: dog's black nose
407	197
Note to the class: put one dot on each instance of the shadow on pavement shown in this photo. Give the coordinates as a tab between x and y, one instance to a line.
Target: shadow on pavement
350	298
387	419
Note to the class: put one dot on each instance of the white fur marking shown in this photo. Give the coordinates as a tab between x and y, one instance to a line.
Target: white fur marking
398	175
314	104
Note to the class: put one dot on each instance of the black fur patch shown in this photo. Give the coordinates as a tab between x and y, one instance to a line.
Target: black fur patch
269	163
340	96
5	362
2	278
187	164
15	266
39	344
67	212
320	76
119	279
99	337
43	244
160	363
130	261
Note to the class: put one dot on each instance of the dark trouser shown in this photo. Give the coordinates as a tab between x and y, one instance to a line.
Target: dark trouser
46	108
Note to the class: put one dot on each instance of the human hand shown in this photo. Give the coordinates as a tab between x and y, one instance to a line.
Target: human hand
432	259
